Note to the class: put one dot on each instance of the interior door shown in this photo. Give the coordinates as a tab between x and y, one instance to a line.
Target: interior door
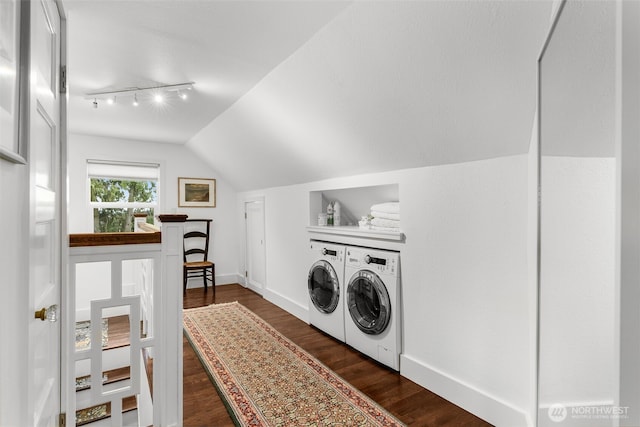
255	245
44	218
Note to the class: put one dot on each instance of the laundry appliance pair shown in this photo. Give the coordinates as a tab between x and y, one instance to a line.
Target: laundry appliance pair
354	296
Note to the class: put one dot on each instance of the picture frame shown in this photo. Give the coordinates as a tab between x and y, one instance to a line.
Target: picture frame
196	192
13	81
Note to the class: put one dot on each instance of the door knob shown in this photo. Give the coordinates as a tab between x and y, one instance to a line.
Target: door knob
50	314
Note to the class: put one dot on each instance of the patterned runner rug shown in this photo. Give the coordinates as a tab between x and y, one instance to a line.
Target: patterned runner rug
267	380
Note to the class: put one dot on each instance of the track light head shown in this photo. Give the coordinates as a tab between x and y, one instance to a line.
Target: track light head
157	93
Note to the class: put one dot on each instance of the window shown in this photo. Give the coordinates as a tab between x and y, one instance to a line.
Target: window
118	190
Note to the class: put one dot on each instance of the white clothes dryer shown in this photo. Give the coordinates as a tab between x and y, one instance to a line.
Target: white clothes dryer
373	316
325	286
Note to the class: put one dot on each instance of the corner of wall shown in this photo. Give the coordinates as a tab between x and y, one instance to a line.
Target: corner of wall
287	304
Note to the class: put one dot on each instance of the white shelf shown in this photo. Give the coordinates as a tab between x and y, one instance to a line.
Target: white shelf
352	231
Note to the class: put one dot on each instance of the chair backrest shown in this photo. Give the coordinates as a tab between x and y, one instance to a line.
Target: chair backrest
196	239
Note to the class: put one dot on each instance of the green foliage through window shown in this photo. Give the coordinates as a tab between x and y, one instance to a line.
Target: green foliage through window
112	197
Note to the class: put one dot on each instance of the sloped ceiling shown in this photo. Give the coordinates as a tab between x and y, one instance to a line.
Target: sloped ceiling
579	82
225	47
386	86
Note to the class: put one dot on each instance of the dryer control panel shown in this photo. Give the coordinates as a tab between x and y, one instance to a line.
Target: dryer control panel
327	252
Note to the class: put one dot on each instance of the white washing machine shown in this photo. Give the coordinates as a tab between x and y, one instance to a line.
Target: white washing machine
326	290
373	316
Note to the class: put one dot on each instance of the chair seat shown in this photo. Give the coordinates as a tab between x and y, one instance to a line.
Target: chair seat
198	264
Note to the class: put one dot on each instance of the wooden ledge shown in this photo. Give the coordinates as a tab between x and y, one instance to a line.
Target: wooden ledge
111	239
173	217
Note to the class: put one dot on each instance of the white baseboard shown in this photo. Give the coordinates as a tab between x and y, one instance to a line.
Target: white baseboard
301	312
228	279
471	399
222	279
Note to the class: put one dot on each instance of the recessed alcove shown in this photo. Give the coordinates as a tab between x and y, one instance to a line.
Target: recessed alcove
355	202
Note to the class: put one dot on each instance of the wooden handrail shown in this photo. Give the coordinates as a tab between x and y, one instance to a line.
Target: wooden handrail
150	234
111	239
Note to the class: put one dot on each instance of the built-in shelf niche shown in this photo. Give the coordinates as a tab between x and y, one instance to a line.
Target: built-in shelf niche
355	202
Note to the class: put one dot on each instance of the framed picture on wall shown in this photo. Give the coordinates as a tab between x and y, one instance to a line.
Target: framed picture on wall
13	82
196	193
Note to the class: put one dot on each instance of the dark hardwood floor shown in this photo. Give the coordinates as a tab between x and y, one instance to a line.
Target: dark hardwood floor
411	403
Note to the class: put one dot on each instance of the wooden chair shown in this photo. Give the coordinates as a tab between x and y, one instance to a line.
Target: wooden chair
196	251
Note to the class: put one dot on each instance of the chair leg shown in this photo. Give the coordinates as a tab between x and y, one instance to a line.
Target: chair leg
204	278
184	280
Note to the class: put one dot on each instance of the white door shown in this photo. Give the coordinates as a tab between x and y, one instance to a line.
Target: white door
43	358
255	245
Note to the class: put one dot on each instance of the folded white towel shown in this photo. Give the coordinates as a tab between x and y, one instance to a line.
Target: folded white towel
385	215
389	223
392	229
389	207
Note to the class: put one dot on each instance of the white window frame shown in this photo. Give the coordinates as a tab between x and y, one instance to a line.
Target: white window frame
115	169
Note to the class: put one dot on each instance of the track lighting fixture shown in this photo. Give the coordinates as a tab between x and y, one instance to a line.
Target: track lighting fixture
158	93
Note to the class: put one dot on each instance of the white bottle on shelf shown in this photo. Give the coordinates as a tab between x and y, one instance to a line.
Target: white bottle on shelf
336	213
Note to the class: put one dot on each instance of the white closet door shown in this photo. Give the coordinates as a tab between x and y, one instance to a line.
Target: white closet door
255	245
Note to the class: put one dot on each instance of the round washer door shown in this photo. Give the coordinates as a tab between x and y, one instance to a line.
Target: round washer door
324	289
368	302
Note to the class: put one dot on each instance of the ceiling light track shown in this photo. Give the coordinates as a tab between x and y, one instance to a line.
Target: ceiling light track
157	92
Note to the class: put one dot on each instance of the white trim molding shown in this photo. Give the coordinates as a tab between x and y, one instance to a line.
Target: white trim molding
490	408
301	312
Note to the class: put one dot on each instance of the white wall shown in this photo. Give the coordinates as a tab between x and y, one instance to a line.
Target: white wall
578	270
176	161
465	285
14	284
628	199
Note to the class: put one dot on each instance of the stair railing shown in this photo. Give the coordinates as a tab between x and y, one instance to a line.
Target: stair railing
137	277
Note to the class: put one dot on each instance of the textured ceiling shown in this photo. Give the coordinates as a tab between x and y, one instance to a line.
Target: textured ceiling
225	47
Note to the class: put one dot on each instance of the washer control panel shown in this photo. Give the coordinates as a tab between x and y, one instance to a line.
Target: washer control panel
374	261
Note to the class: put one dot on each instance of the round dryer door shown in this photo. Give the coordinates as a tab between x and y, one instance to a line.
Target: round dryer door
368	302
324	288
